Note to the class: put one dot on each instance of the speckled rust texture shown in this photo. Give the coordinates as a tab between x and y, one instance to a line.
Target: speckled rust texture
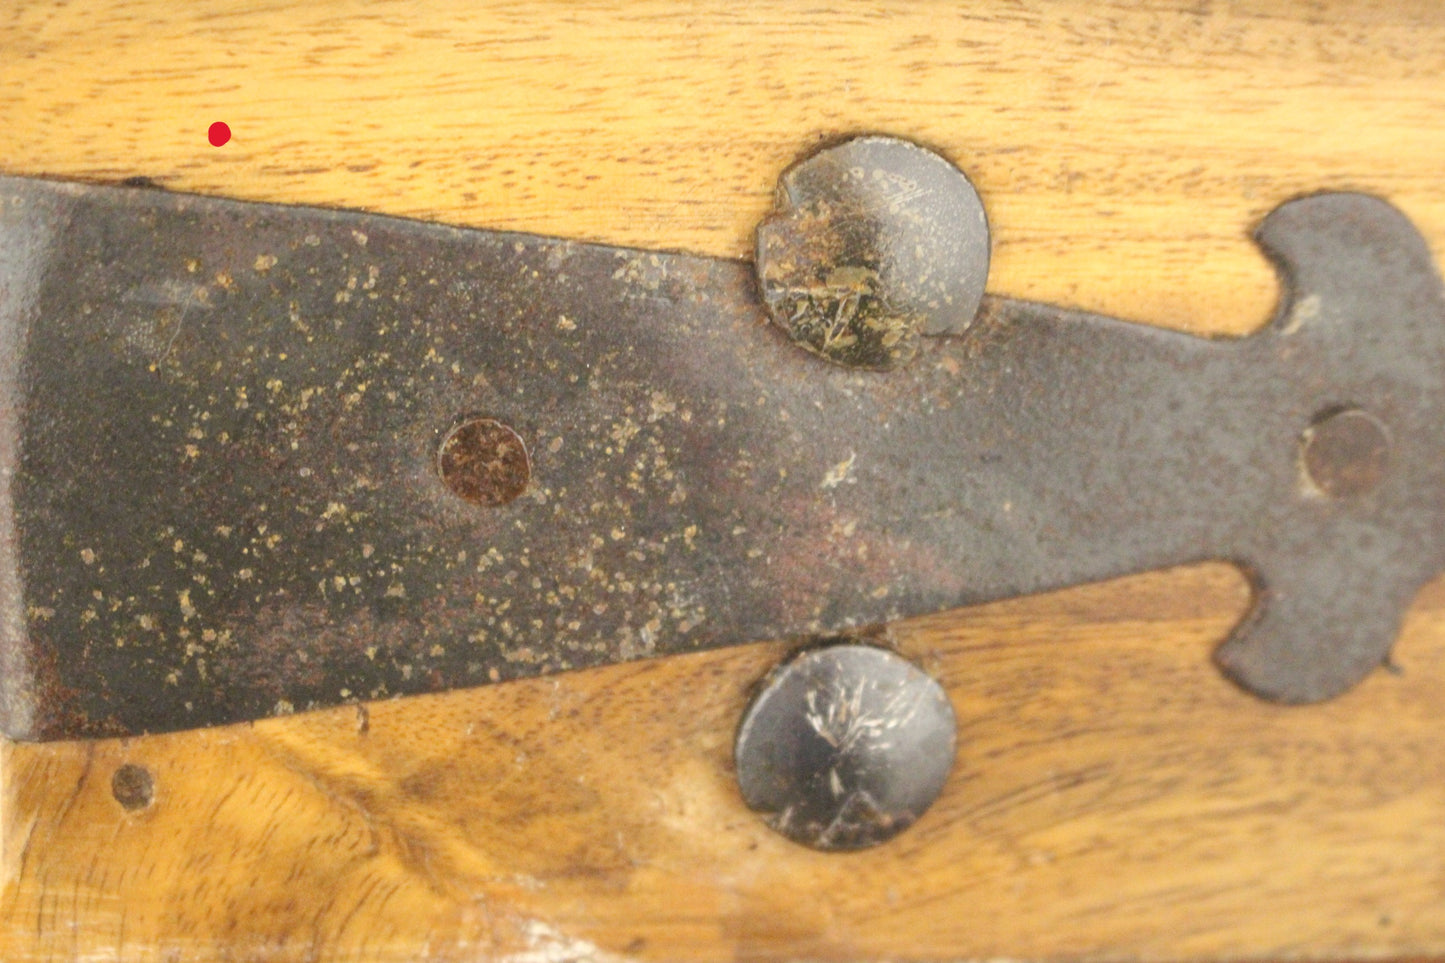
224	422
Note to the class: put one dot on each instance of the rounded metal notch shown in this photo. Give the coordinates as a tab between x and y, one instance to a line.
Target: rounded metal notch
845	746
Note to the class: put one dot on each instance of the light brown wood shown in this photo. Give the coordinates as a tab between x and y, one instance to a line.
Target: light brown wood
1114	796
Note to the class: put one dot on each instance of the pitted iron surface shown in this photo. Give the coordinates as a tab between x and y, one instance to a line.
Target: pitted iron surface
224	427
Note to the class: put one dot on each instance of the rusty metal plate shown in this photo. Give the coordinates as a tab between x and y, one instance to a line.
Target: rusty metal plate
225	431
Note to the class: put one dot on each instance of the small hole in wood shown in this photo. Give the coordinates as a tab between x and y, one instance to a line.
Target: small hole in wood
133	787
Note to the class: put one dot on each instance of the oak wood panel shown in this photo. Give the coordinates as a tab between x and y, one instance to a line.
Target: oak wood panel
1114	796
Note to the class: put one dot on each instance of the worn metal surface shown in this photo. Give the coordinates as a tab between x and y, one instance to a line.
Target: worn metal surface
220	427
845	746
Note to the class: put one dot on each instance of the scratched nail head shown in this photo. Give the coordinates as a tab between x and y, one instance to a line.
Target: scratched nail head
875	242
845	746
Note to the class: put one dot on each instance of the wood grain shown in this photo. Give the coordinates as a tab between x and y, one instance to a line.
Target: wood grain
1114	796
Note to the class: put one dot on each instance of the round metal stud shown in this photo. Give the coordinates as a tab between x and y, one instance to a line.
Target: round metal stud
1346	452
485	462
875	241
844	746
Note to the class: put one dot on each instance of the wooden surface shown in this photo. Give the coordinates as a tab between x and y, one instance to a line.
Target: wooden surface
1114	796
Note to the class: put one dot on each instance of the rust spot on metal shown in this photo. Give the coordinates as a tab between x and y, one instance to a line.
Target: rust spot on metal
1346	452
133	787
484	462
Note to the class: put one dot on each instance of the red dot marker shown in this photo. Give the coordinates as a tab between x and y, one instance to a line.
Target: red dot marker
219	133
